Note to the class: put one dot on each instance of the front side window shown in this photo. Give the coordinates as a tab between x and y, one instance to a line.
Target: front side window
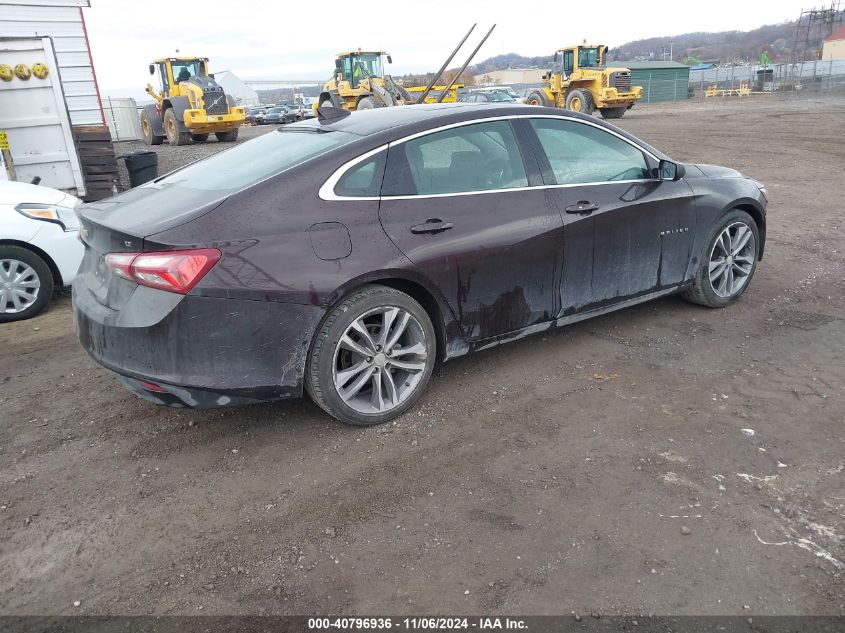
580	153
475	157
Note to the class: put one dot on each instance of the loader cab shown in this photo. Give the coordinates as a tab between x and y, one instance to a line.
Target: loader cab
172	71
577	57
357	66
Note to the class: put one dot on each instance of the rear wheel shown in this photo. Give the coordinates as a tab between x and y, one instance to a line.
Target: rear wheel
538	98
199	137
728	264
26	284
613	113
227	137
366	103
580	101
371	357
171	127
150	138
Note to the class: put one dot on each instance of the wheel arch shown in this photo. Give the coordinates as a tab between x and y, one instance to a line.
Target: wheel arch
753	209
449	339
54	270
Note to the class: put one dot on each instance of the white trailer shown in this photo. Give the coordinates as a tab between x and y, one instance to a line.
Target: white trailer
55	122
36	119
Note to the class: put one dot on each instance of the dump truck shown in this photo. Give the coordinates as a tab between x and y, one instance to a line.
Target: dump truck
581	81
190	106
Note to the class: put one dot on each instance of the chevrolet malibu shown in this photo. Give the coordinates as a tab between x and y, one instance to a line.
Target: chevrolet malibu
344	255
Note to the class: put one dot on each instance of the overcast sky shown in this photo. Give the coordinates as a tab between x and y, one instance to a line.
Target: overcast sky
298	39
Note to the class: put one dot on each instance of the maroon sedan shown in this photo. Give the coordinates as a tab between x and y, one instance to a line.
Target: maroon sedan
343	256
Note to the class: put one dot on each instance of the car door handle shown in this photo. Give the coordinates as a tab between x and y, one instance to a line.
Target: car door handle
434	225
584	206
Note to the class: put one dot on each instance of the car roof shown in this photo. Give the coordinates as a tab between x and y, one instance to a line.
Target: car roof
391	123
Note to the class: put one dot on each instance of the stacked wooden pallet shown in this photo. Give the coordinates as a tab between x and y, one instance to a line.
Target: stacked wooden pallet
98	160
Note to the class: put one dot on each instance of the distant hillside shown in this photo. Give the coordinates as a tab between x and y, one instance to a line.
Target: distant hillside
725	46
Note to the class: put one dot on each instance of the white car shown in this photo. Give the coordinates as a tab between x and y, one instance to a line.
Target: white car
39	248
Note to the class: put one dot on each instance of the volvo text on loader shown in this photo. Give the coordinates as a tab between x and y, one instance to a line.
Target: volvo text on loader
189	106
581	81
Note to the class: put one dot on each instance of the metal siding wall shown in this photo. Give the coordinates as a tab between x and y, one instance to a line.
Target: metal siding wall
64	25
661	84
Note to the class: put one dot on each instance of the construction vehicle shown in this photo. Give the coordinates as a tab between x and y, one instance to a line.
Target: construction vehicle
581	81
359	82
190	105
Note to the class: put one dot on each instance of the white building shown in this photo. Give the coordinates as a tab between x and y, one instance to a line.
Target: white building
232	85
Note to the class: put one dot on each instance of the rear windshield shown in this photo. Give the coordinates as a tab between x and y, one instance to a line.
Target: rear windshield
251	162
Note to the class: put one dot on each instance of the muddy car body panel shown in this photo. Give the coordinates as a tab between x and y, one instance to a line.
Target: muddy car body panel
293	242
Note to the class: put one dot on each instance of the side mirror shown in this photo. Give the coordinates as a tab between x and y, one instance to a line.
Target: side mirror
152	69
337	65
557	56
671	171
389	59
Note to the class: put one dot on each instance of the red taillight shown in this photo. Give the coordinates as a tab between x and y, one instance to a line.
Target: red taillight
151	386
174	271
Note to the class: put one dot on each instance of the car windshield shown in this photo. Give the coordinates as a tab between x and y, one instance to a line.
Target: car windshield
255	160
184	70
588	57
274	110
499	97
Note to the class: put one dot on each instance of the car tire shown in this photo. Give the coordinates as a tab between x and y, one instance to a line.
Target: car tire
29	269
725	247
538	98
613	113
580	101
392	378
171	128
227	137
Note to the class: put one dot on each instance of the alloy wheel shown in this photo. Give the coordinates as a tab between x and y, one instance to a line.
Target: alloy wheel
380	360
732	259
19	286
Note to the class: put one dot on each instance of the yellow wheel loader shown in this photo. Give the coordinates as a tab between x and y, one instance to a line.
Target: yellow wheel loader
189	106
581	81
359	83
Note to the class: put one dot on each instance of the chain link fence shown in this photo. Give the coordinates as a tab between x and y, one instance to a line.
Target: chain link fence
802	78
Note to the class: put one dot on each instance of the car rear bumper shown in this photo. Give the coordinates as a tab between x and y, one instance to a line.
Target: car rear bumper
201	351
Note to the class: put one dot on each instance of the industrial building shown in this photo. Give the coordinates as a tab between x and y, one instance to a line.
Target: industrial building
512	76
661	81
232	85
834	45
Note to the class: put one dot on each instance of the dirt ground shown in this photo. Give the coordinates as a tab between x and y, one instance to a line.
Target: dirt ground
664	459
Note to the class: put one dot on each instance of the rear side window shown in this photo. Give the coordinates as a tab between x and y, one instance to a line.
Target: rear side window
581	153
364	179
476	157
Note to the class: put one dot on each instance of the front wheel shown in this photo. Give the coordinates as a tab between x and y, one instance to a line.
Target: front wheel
538	98
728	263
227	137
371	357
613	113
171	127
26	284
580	101
366	103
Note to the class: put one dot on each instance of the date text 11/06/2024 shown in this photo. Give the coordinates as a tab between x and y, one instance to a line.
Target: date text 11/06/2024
416	624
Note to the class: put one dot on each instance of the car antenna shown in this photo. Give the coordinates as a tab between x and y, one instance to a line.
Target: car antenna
330	114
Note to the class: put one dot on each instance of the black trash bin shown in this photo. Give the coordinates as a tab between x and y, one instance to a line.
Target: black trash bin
142	166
